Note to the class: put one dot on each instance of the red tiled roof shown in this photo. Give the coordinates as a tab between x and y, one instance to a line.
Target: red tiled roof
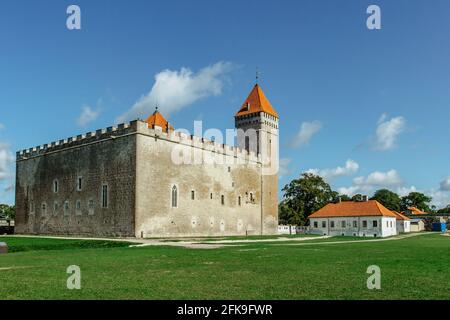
400	216
157	119
256	102
353	209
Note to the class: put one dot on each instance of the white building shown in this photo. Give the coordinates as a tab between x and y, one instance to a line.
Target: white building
403	223
364	219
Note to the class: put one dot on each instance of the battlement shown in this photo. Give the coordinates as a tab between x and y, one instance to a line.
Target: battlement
137	127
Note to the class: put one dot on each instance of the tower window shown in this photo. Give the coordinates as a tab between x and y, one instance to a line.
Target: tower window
55	186
174	197
105	196
44	208
55	207
192	195
247	143
91	206
66	207
222	199
79	183
251	197
239	200
210	196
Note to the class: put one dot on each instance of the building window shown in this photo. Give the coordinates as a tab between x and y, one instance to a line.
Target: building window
332	224
229	169
375	223
364	224
343	224
210	196
222	199
66	207
355	224
174	197
105	196
91	206
247	143
44	208
324	224
79	183
387	224
192	195
55	186
315	224
31	207
78	206
239	200
251	197
55	207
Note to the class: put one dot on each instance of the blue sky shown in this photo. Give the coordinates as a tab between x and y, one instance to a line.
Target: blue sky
321	68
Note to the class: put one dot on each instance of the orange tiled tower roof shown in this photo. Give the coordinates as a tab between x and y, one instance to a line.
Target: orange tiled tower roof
157	119
415	210
353	209
256	102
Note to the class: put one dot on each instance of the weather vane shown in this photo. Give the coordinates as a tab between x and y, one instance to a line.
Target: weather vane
257	75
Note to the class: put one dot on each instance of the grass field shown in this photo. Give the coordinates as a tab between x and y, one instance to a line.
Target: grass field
411	268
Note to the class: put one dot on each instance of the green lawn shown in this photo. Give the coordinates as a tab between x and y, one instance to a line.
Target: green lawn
412	268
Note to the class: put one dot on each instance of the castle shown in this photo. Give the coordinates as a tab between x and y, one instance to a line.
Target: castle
145	179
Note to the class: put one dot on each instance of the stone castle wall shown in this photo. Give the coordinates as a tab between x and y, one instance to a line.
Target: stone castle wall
137	163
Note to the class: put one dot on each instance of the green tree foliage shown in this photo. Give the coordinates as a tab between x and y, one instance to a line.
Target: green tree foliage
305	195
389	199
418	200
7	212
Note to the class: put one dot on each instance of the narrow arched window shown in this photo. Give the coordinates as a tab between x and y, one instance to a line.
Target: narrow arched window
174	197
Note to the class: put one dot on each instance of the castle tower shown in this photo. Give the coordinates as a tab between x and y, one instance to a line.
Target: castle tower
257	131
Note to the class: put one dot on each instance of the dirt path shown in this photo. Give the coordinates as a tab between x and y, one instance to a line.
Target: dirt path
214	244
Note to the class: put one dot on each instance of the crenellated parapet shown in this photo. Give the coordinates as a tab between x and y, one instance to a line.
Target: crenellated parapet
138	127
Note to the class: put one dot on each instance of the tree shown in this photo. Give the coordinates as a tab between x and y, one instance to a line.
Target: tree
357	197
7	212
418	200
387	198
306	195
286	215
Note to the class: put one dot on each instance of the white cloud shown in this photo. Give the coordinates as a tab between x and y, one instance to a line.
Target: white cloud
404	191
379	179
175	90
6	159
306	132
445	184
388	131
87	116
350	168
284	166
373	181
2	126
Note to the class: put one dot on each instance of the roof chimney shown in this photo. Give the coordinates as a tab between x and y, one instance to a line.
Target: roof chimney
365	198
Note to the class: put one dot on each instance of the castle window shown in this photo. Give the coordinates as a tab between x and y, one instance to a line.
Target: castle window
222	199
44	208
105	196
78	206
55	186
79	183
91	206
239	200
251	197
247	143
66	207
55	207
174	197
192	195
31	207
